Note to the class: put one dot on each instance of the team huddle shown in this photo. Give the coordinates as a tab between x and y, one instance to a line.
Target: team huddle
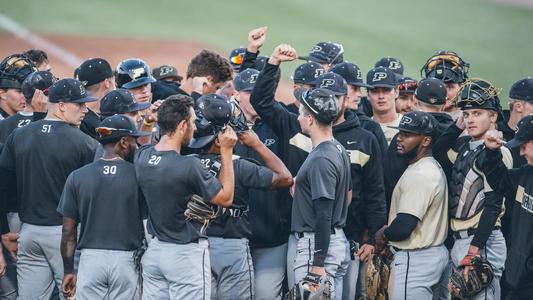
136	183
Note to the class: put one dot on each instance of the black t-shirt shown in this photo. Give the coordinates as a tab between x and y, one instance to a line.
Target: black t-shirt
105	198
324	174
42	155
247	175
89	123
11	123
168	180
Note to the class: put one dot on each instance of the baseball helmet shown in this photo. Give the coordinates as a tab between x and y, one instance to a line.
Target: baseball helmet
446	66
132	73
478	93
40	80
14	69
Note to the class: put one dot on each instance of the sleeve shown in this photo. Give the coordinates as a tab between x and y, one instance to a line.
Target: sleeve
249	60
254	176
203	182
322	179
284	123
373	192
88	151
401	227
415	197
443	148
68	204
7	156
323	211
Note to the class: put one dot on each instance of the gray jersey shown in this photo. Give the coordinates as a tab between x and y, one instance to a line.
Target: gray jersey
324	174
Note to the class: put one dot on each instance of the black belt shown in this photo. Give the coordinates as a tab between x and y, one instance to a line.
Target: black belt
463	234
301	234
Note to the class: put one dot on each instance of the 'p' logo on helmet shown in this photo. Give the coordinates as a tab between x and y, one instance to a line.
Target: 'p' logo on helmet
378	76
393	65
327	82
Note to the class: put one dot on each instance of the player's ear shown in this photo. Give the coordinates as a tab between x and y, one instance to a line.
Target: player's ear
426	141
3	93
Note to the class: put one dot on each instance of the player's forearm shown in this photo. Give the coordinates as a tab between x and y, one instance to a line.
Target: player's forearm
487	221
68	248
227	179
282	176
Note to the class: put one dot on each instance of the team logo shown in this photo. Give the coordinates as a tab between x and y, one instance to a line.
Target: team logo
82	90
316	49
378	76
84	82
253	78
432	100
406	120
359	75
394	65
269	142
319	72
327	82
136	73
165	70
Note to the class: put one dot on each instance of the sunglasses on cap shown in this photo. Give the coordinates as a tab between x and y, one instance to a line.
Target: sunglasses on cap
237	59
107	131
411	85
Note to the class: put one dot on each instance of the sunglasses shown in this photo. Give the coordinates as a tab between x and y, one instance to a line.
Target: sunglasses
412	85
107	131
237	59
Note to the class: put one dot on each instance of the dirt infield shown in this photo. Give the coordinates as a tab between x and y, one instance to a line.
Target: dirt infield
154	52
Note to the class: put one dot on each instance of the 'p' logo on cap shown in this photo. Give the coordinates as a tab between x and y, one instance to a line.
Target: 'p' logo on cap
378	76
327	82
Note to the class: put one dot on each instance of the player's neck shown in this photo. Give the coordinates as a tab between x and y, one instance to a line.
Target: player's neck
421	155
186	86
169	143
514	119
319	135
385	117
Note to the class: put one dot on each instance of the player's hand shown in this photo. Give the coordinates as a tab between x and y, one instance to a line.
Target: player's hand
2	264
256	39
249	138
460	122
10	242
68	286
282	53
365	252
39	101
379	237
493	139
473	251
293	187
199	84
227	139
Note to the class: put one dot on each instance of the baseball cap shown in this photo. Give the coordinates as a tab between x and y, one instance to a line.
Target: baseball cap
407	85
524	133
68	90
326	53
40	80
381	77
392	63
245	80
117	126
418	122
350	72
93	71
431	91
522	89
333	82
478	93
320	102
213	113
166	71
307	73
120	101
236	57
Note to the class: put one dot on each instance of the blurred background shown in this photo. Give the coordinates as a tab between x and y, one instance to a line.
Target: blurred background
495	36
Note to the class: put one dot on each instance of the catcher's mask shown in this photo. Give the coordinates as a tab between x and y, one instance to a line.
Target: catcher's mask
446	66
14	69
478	93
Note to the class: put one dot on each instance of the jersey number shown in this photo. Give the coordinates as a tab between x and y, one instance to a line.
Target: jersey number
23	123
110	170
154	160
46	128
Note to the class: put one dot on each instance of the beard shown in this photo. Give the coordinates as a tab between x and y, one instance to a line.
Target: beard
410	154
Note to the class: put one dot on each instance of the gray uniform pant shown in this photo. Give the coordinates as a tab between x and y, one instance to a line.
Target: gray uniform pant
269	271
350	279
495	252
336	263
8	282
232	269
39	263
176	271
415	274
106	274
442	292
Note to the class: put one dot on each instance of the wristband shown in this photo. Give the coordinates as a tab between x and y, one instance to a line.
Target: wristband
148	123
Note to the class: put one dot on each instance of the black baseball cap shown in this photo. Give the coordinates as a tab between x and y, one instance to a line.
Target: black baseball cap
350	72
93	71
407	85
326	53
522	90
236	57
418	122
381	77
431	91
166	71
308	73
392	63
68	90
524	133
40	80
245	80
333	82
117	126
213	113
320	102
120	101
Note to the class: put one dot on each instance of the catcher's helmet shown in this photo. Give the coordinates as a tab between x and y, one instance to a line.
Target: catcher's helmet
446	66
40	80
14	69
478	93
132	73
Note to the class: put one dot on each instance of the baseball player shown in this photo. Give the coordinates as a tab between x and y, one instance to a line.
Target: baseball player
98	79
176	264
39	59
406	100
13	70
40	156
321	196
168	82
167	73
231	262
475	208
382	94
418	218
516	184
110	218
134	74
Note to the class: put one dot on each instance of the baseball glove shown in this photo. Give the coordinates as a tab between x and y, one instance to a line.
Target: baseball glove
202	212
301	290
377	277
479	277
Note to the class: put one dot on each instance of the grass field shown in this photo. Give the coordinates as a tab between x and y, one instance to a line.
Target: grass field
495	39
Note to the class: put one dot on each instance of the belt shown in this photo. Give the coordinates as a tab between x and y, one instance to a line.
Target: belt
302	234
463	234
393	249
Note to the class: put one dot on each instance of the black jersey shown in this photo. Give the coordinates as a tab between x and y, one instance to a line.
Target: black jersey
89	123
9	124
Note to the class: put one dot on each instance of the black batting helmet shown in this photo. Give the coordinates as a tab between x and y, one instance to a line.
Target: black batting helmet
132	73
